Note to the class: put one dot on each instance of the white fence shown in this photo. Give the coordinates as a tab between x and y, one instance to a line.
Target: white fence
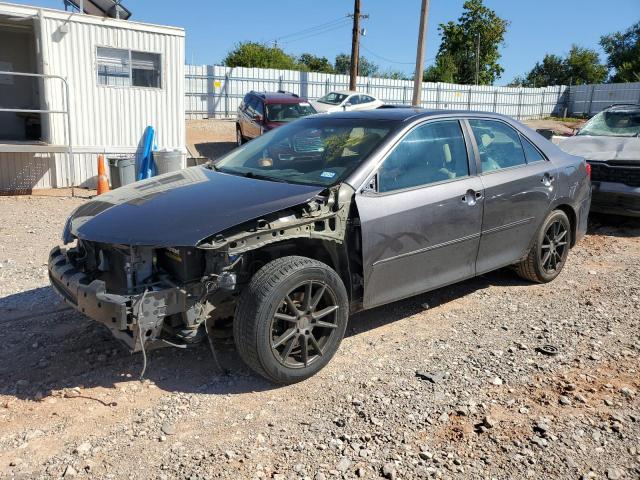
587	100
214	91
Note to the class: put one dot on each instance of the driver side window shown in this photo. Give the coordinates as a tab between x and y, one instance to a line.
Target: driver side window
431	153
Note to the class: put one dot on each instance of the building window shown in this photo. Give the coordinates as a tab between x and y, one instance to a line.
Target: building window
126	68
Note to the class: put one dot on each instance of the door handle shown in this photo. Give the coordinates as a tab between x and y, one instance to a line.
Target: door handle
471	197
547	179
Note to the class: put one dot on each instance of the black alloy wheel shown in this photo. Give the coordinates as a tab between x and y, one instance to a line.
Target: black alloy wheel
302	327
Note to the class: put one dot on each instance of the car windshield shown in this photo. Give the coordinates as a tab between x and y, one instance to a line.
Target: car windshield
613	123
333	98
313	151
287	112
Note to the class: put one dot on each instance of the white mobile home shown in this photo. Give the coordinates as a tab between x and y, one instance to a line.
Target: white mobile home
98	83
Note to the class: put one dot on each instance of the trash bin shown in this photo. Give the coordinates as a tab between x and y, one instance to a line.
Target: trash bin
167	161
122	171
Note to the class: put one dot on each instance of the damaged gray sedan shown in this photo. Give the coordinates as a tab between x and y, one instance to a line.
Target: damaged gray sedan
291	233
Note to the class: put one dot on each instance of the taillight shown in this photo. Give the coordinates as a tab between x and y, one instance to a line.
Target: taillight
589	170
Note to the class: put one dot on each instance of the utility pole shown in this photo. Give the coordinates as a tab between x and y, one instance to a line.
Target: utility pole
478	58
355	44
422	34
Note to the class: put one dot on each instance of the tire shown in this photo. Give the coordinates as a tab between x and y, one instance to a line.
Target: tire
538	267
269	334
240	140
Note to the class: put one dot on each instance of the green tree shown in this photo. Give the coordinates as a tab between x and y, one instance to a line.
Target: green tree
444	69
259	55
517	81
553	70
584	66
312	63
580	66
366	68
394	75
477	25
623	54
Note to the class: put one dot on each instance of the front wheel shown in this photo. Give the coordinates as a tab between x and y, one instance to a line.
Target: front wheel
239	137
550	250
290	319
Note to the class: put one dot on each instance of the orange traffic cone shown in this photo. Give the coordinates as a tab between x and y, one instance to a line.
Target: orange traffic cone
103	182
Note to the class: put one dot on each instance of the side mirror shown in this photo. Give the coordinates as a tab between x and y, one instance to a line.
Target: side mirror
346	105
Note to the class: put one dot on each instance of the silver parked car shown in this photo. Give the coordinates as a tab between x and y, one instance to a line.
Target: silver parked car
610	142
328	215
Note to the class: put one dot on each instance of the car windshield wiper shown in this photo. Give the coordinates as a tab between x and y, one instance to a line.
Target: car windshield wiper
258	176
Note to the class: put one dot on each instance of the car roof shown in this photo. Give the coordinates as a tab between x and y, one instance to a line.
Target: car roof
624	106
279	97
404	114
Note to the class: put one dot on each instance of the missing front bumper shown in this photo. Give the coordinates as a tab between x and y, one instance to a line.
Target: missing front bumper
132	319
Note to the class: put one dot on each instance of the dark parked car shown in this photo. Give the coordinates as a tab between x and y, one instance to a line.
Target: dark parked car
294	231
610	142
260	112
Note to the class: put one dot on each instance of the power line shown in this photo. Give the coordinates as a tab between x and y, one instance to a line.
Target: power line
314	34
384	58
310	29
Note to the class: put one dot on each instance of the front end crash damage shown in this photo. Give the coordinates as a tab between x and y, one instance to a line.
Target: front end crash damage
164	296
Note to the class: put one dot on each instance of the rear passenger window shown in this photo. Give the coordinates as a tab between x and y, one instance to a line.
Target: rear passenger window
498	144
430	153
531	153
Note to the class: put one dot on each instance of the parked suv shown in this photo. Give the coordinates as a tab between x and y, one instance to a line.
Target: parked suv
291	233
260	112
610	142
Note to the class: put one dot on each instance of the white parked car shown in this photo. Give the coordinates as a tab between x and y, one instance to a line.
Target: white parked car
346	100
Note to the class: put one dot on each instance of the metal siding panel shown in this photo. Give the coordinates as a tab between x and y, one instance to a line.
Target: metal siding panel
107	117
26	171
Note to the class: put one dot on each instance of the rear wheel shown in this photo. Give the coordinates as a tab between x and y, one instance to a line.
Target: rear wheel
550	250
291	319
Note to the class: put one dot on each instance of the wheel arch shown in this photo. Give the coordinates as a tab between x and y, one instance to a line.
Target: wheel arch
573	219
331	253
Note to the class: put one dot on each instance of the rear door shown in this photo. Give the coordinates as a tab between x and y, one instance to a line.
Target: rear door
519	186
363	102
421	217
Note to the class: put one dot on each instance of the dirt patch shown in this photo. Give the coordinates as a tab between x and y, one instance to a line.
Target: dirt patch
559	126
210	138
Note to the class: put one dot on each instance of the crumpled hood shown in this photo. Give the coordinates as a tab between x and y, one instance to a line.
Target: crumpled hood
182	208
619	149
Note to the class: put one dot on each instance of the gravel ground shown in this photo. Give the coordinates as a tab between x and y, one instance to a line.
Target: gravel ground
450	384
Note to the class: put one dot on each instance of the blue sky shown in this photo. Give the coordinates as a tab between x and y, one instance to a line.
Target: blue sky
537	27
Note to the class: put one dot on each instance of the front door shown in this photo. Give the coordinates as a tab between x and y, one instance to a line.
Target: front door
254	115
519	186
421	222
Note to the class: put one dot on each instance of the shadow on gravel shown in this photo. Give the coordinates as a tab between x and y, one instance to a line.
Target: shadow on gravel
613	225
214	150
46	346
51	347
393	312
